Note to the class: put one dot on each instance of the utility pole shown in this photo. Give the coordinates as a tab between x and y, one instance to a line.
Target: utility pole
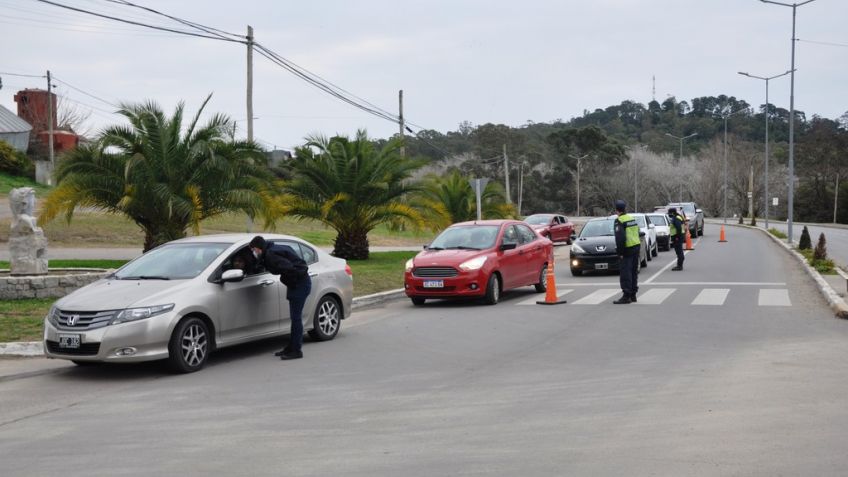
249	83
521	188
835	197
680	159
751	193
50	113
506	174
400	121
579	161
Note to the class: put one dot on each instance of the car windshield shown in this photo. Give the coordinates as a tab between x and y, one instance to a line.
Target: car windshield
640	219
597	228
688	209
172	262
538	219
467	237
658	220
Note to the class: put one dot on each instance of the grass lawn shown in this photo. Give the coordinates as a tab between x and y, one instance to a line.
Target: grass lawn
7	183
21	320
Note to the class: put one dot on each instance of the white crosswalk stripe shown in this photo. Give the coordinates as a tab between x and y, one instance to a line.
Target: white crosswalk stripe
774	297
598	296
711	296
654	296
541	296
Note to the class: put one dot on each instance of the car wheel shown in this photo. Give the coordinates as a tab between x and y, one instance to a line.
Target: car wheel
644	262
542	286
576	272
701	233
493	290
656	250
327	319
417	301
648	253
188	349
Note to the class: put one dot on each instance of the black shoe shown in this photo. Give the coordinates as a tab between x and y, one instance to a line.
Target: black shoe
625	300
283	351
292	355
676	269
633	298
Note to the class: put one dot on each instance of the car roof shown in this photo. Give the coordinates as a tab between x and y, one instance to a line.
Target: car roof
233	238
488	222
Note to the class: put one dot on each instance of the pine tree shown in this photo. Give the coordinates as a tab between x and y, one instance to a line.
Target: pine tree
805	243
820	253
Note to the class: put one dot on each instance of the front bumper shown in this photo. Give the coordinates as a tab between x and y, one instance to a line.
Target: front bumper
465	284
590	263
149	337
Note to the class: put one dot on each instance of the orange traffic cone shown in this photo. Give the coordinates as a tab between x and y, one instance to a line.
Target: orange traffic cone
550	286
688	240
721	235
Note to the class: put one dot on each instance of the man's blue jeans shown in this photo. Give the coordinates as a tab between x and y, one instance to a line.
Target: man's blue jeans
297	296
628	275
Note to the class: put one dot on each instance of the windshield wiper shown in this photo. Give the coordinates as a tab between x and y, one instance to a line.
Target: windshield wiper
435	248
145	277
462	247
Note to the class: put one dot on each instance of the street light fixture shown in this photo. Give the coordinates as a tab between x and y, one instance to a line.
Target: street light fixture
579	160
766	114
791	164
681	139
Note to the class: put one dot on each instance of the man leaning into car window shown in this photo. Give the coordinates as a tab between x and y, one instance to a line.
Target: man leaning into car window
281	260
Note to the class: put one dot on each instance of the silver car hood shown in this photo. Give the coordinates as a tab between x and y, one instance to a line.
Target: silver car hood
110	294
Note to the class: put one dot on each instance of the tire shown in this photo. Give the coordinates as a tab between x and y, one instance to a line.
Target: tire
701	232
493	290
648	254
576	272
644	262
542	286
417	301
189	347
656	250
327	319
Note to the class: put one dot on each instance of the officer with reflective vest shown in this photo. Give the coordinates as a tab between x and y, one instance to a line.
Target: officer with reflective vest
627	245
677	235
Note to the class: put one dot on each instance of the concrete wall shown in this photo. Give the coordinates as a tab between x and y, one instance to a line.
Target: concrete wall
58	284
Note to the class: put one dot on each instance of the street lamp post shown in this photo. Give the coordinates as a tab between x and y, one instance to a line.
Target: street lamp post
681	139
766	114
791	164
579	160
726	117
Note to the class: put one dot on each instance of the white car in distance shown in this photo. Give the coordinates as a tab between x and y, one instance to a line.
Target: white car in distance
650	233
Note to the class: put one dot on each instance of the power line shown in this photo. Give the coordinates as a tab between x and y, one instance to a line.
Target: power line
22	75
824	43
207	29
85	93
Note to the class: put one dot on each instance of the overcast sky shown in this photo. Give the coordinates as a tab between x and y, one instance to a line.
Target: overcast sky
482	61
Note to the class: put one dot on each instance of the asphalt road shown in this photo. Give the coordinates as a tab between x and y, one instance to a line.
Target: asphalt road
836	237
752	384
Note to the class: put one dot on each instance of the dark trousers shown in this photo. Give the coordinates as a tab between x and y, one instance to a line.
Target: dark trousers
678	249
628	276
297	296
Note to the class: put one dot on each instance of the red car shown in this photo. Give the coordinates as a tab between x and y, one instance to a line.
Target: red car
478	259
555	227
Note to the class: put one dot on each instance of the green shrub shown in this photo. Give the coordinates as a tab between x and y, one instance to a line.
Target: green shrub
15	162
805	243
825	266
777	233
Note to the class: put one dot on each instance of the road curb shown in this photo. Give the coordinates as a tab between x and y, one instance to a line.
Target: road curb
837	304
36	348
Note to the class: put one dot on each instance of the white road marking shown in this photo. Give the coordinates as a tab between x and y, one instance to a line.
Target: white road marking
774	297
726	284
655	296
541	297
598	296
711	296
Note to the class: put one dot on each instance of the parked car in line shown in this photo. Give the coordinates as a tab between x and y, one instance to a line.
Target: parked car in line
187	298
693	214
554	227
660	222
594	249
478	259
646	227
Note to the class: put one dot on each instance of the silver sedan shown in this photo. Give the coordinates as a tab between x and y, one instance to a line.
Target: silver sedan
184	299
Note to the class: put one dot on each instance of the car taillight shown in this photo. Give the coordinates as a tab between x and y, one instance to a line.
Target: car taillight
348	270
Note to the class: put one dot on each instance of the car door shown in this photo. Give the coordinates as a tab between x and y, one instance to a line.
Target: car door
556	229
315	267
249	308
533	252
567	228
510	261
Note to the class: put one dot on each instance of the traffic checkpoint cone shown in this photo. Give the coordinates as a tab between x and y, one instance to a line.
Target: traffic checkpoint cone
721	235
550	286
688	240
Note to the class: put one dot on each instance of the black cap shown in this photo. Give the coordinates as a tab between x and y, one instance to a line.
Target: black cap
258	242
672	210
620	205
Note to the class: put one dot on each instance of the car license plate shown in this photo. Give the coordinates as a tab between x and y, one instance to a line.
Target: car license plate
69	341
434	283
601	266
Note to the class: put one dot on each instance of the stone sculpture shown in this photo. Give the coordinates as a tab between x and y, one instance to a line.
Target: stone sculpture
27	244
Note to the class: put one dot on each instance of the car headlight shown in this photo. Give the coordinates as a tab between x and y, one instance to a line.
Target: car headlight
577	248
134	314
53	316
473	264
409	265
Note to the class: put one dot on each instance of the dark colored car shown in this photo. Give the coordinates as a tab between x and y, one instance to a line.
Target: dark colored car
478	260
554	227
594	249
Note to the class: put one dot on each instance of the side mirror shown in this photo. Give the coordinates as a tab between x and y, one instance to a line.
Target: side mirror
573	237
641	234
233	275
508	246
426	245
699	211
651	226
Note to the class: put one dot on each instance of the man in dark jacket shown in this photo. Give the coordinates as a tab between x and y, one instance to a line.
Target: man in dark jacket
676	234
627	245
281	260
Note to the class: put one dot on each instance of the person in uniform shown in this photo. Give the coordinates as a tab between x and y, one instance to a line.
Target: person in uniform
627	245
677	235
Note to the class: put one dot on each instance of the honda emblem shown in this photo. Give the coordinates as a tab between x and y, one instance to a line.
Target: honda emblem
72	320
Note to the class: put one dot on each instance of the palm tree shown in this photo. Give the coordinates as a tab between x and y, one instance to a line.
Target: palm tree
450	198
351	186
164	179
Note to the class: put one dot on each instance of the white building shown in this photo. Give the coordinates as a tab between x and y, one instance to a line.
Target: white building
14	130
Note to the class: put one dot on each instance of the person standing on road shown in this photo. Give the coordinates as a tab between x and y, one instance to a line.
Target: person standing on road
294	273
676	234
627	244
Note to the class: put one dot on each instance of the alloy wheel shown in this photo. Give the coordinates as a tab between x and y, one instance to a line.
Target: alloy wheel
194	345
328	317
